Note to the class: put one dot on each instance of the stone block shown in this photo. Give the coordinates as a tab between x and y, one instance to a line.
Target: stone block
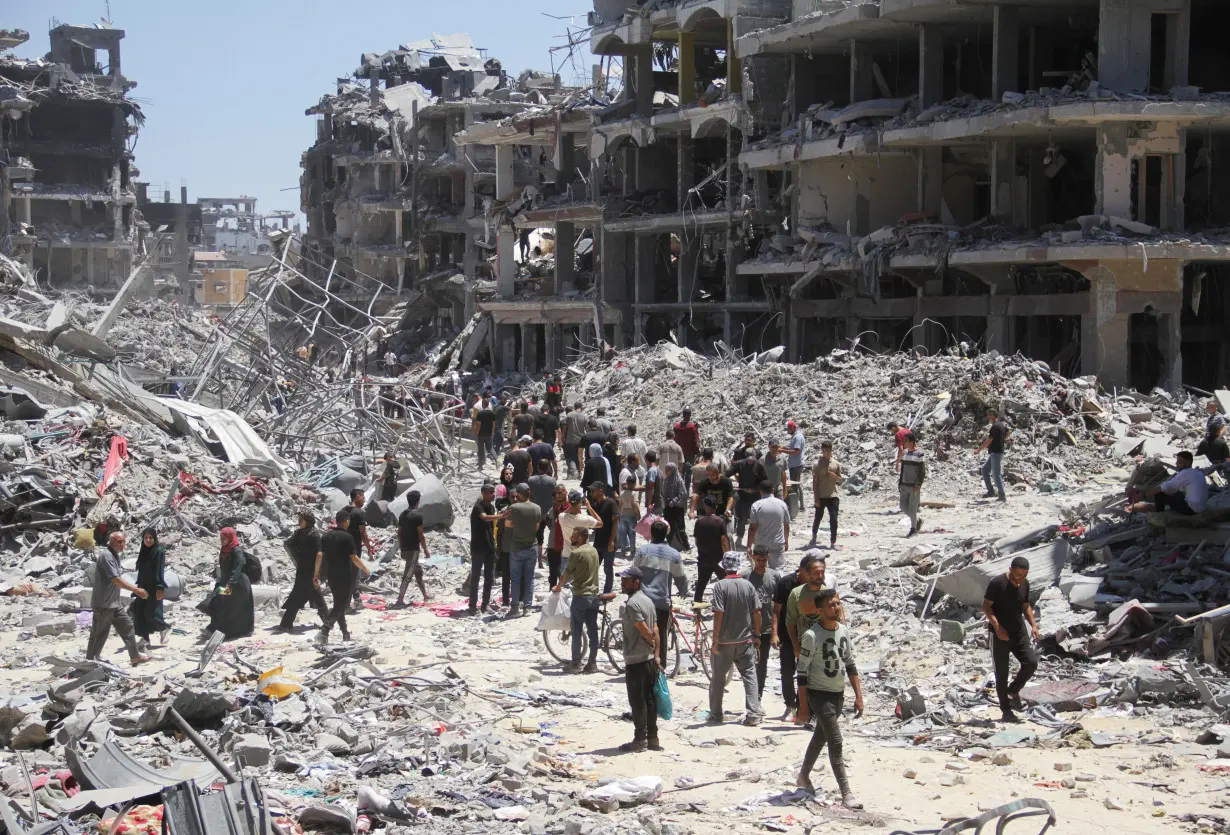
952	632
252	751
56	626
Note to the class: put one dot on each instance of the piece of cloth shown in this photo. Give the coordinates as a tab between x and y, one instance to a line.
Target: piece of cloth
993	472
826	658
582	571
638	608
640	678
825	476
1026	655
522	563
584	615
765	585
100	629
115	462
736	598
771	516
674	490
596	471
1191	484
147	614
826	707
831	504
523	522
743	658
106	594
484	567
661	566
1006	602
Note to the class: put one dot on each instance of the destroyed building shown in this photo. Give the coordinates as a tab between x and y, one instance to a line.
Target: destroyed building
388	193
67	129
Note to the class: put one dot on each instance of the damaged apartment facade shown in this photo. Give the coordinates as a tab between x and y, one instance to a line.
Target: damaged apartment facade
392	202
67	127
1036	177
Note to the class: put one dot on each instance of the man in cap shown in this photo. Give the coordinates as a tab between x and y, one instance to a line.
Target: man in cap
736	633
580	514
640	630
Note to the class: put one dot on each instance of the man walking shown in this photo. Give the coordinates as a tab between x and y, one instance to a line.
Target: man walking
997	433
412	542
749	472
687	435
769	526
669	452
632	445
660	565
1006	606
482	428
575	424
607	511
339	558
764	580
358	532
795	448
801	611
714	486
709	534
826	654
540	451
736	632
108	609
776	469
910	481
482	547
524	517
582	572
388	478
782	640
639	621
825	478
575	516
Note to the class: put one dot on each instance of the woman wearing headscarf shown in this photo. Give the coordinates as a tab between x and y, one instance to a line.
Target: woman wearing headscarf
597	470
147	613
615	462
675	506
303	546
231	611
503	568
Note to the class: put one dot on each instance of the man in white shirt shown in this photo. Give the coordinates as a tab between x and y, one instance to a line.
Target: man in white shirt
1186	492
578	515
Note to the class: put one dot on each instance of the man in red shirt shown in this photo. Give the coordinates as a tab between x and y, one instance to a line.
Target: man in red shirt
687	435
899	433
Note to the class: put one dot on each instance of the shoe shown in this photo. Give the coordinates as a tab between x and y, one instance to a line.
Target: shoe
511	614
752	721
1002	499
788	713
162	636
850	801
345	637
1010	717
571	667
1015	701
140	659
912	532
636	746
990	494
322	638
589	668
654	745
713	719
804	782
279	630
471	610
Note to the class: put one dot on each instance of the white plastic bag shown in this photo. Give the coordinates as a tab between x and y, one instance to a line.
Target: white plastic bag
629	791
556	612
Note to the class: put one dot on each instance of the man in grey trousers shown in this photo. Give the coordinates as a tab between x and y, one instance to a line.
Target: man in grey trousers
108	608
736	633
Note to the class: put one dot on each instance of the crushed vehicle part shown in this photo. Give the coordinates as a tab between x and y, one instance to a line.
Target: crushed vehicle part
239	809
111	767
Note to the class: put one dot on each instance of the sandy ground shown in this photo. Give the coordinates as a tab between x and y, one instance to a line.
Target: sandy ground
731	763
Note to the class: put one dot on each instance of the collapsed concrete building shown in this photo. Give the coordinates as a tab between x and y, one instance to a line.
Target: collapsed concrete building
67	128
391	200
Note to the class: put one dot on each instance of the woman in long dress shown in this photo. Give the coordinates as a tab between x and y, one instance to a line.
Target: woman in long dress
147	614
232	611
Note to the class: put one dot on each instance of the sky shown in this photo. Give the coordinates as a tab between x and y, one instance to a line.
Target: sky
224	84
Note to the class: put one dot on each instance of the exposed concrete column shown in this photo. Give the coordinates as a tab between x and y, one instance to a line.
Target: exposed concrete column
734	64
506	270
1178	46
687	68
506	347
793	330
1170	341
1003	176
689	255
918	327
997	323
504	186
643	280
565	256
930	65
862	80
24	209
728	328
930	163
686	168
551	346
566	164
1113	176
1005	50
529	349
1124	37
117	232
642	78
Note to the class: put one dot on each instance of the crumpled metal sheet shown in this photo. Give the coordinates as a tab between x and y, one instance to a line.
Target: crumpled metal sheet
239	809
111	768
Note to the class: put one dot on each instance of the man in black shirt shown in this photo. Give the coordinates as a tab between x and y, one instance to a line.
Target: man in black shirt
523	422
358	532
1214	446
522	462
388	478
482	547
593	435
606	509
716	486
997	433
548	422
412	542
500	434
482	429
750	473
339	561
785	650
709	533
541	450
1006	606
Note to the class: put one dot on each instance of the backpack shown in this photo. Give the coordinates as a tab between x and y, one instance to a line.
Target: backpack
252	568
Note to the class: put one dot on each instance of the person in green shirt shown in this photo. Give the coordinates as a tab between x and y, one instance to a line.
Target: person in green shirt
582	571
800	617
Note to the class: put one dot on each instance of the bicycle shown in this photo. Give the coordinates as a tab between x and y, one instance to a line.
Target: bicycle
701	645
610	638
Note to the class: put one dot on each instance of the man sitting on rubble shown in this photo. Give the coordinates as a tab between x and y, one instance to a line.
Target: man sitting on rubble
1186	492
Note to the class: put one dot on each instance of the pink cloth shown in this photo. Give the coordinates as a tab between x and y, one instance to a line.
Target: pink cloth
115	462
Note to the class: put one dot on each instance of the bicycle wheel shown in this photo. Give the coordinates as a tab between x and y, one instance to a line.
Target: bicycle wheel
672	652
559	644
613	643
705	650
